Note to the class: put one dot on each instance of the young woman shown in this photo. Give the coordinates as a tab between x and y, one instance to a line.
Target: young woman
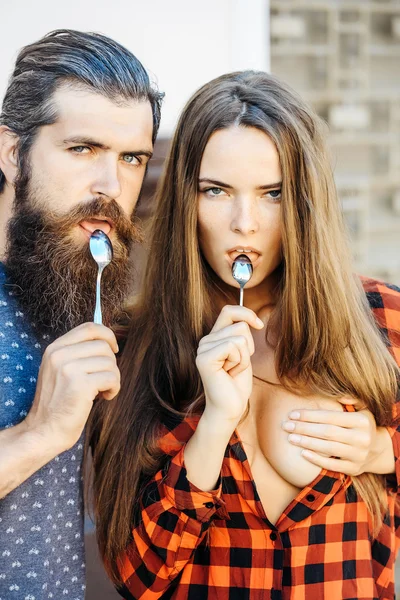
244	458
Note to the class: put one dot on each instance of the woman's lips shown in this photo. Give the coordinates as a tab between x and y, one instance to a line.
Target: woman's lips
253	256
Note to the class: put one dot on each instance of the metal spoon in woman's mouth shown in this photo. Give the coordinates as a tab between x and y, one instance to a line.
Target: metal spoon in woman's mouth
102	252
242	270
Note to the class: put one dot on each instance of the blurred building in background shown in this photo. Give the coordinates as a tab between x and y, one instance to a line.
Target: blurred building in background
344	58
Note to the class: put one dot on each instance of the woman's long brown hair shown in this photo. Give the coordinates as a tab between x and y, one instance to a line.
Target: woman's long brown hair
328	341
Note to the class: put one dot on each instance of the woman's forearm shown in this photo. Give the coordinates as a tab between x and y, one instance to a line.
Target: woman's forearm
205	450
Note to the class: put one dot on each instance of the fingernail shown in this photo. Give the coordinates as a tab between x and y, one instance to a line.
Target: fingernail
294	415
259	322
288	426
306	453
293	437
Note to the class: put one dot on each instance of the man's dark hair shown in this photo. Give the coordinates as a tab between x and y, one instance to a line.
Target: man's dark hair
65	56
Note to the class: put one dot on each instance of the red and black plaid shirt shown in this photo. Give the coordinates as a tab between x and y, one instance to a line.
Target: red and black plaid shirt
194	545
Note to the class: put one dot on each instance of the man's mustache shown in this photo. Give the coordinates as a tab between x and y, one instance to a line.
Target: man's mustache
126	228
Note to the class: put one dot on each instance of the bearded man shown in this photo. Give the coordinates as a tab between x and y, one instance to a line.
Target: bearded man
77	128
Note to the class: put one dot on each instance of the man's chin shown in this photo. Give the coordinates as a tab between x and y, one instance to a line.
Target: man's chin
55	314
58	291
55	275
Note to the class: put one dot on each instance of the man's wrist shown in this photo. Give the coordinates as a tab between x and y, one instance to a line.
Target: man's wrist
43	441
23	453
381	457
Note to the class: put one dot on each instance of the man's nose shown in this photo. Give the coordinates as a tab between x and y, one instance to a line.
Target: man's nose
245	218
107	181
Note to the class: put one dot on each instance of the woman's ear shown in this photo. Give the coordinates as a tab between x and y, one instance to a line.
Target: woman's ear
8	153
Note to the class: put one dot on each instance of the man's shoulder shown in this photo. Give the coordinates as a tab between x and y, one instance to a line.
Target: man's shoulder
3	280
384	300
7	289
381	295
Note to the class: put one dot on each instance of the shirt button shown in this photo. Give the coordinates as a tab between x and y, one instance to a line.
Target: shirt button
209	504
310	498
273	536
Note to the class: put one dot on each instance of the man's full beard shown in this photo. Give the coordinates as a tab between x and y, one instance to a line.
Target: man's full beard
53	275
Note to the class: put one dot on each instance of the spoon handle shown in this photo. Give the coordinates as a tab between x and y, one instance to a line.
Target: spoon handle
241	296
97	311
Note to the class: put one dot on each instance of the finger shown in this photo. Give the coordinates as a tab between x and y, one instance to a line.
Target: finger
245	361
327	432
330	464
234	330
331	417
87	332
231	353
240	341
336	449
85	366
225	354
242	366
63	354
107	383
234	314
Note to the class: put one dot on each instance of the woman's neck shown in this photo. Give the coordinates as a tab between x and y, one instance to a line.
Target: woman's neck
261	299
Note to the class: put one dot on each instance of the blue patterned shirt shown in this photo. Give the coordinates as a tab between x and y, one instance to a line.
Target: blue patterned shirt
41	521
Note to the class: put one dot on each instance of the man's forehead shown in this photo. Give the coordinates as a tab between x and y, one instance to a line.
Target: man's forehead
80	111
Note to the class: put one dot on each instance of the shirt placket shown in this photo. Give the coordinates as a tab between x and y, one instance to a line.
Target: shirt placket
312	498
274	547
309	500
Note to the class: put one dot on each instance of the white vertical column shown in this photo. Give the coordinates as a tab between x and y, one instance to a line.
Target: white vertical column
250	40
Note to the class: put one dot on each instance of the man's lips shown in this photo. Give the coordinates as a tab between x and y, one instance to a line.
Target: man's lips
90	225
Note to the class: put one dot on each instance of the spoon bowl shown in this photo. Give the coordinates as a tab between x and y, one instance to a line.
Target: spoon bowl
101	248
242	271
102	252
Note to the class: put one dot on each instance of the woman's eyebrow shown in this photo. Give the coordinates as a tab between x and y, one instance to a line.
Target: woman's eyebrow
215	182
268	186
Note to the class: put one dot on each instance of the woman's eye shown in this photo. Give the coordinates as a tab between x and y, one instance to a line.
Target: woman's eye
275	194
214	191
131	159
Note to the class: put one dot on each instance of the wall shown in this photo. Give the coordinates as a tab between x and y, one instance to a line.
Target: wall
183	43
343	57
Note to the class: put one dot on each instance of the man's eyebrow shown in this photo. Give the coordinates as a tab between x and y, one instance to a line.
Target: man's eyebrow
84	141
269	186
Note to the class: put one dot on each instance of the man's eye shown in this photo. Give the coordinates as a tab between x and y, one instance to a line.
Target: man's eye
131	159
80	149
